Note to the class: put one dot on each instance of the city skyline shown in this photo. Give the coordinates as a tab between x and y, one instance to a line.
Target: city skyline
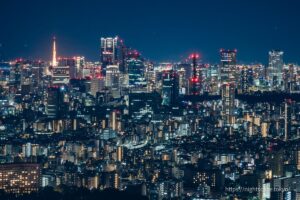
254	28
157	100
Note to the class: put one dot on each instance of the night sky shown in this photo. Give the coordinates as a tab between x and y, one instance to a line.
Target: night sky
162	30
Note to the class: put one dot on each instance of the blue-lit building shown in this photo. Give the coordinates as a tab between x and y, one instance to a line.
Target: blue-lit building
136	70
56	101
170	87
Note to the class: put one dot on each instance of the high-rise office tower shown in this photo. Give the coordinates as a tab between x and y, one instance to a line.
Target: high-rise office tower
170	87
187	67
227	82
292	78
63	71
212	79
55	101
37	71
15	73
246	79
112	76
185	73
275	69
109	51
228	78
195	82
289	77
79	65
60	75
136	70
71	63
228	71
113	52
287	119
20	178
122	56
244	83
182	80
228	97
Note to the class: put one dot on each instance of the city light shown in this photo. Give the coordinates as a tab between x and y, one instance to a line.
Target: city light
207	111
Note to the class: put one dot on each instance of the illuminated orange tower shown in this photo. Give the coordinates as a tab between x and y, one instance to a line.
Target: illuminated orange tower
54	62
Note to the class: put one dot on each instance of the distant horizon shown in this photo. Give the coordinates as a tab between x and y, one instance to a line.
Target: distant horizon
183	57
160	30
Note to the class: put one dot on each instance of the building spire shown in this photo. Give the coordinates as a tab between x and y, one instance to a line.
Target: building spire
54	62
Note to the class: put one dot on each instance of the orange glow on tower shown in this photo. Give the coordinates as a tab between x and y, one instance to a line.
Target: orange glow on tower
54	62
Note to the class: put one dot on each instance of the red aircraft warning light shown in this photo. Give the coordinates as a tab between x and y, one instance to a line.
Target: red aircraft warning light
194	56
195	78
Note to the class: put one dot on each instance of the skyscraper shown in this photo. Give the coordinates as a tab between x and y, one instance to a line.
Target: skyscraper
195	85
246	79
79	65
287	119
55	101
228	78
75	64
228	96
112	76
109	51
228	66
136	72
170	87
37	71
15	73
112	80
61	75
275	69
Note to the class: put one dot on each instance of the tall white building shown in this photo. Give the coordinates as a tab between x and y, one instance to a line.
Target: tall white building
109	50
79	64
228	98
112	77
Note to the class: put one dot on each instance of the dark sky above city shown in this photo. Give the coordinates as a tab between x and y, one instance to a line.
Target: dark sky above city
162	30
